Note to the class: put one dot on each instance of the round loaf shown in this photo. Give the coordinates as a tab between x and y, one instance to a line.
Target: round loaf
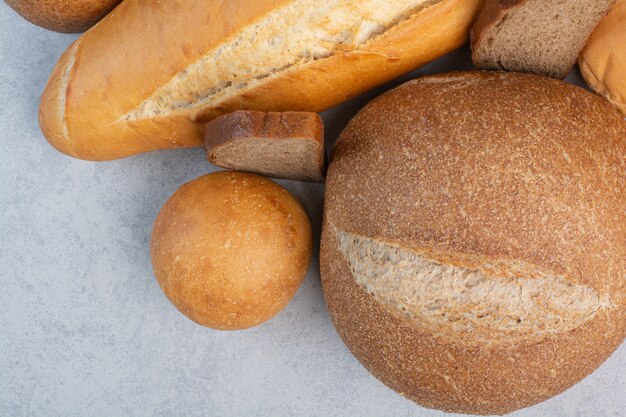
603	61
473	254
68	16
230	249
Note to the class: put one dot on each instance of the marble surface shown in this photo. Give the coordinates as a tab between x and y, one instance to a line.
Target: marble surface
85	329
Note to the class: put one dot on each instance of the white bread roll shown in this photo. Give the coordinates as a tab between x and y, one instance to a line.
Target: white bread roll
603	61
152	72
473	254
231	249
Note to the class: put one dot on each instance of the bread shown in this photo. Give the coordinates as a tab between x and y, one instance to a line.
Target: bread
280	145
146	77
230	249
538	36
473	254
68	16
603	61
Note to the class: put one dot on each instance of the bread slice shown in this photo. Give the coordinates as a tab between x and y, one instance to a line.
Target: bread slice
280	145
538	36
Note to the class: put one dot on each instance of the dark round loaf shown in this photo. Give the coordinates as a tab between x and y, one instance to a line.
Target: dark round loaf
473	255
69	16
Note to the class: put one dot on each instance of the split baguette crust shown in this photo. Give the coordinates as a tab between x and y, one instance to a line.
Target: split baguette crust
143	44
520	167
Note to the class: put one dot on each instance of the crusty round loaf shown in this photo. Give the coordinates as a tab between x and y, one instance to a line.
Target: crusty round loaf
230	249
473	255
603	61
68	16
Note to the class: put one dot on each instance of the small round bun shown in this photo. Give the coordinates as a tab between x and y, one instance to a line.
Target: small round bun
67	16
230	249
473	250
603	61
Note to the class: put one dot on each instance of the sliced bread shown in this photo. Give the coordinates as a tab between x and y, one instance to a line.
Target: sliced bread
538	36
280	145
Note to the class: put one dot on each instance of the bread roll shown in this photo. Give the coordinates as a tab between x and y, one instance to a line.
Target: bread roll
69	16
473	254
151	73
230	249
603	61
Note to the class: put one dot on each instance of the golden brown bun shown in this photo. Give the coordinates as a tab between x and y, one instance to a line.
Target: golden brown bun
603	61
138	80
68	16
230	249
473	251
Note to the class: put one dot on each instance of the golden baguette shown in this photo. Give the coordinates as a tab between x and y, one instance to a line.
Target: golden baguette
150	73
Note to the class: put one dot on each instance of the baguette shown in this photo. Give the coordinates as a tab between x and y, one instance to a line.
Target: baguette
286	145
473	250
150	74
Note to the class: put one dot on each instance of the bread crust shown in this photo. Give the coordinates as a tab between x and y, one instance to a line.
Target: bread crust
491	13
496	165
252	124
53	105
143	44
603	61
71	16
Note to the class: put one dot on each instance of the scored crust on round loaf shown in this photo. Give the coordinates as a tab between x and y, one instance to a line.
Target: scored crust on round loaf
491	301
473	254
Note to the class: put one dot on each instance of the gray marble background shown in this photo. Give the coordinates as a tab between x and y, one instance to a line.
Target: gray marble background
85	329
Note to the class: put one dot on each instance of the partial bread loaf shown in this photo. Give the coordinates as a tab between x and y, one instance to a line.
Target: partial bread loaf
603	61
538	36
280	145
473	254
69	16
150	74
